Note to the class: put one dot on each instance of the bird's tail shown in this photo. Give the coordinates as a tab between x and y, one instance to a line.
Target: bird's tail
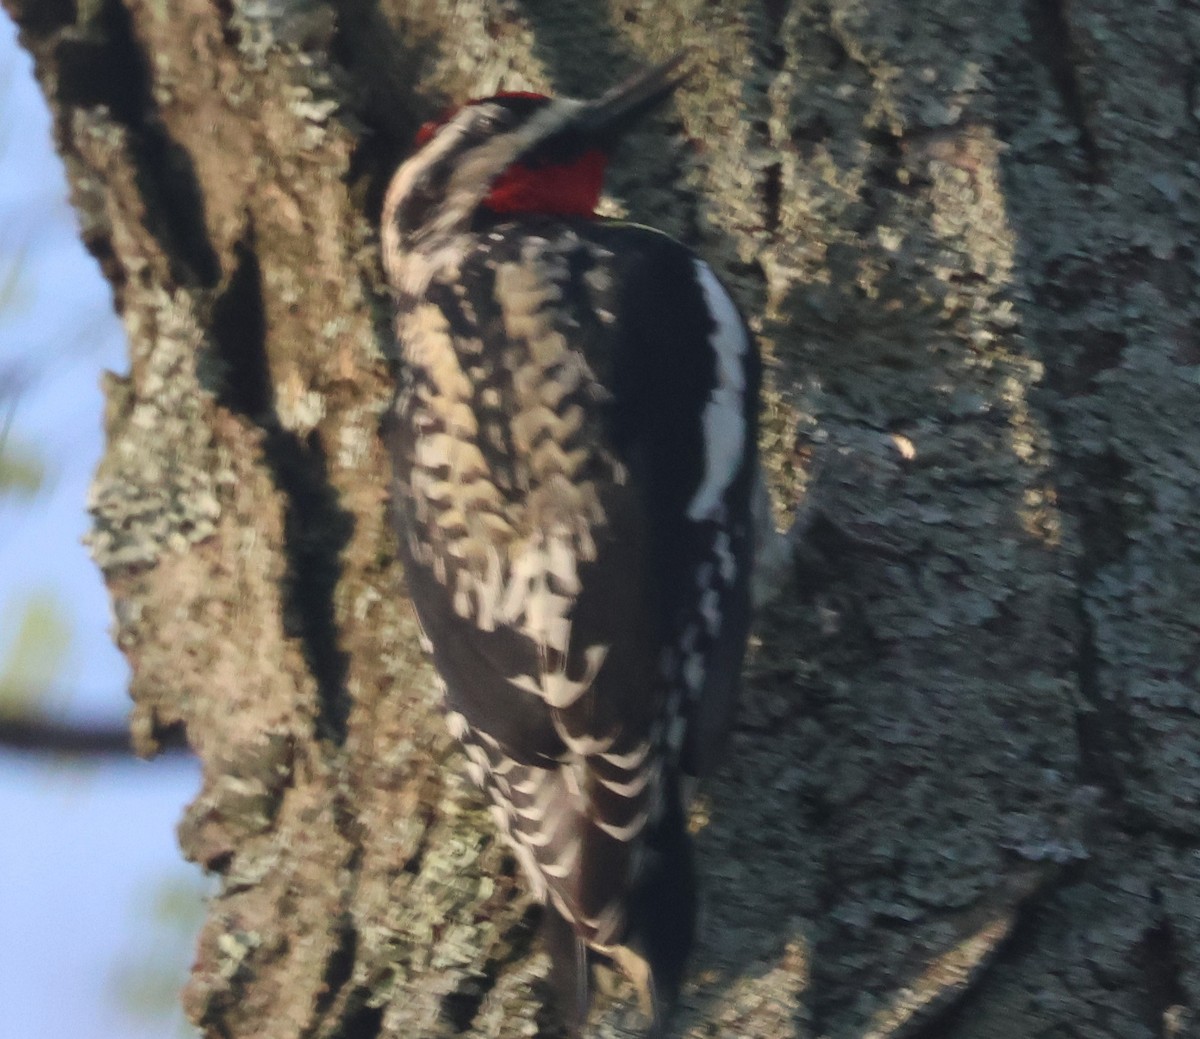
662	915
570	970
660	911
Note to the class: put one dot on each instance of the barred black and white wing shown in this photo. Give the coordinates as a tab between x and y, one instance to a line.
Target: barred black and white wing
573	452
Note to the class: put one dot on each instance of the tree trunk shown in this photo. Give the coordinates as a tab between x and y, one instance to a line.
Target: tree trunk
962	799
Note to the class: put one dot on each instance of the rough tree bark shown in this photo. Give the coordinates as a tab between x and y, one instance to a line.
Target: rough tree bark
962	800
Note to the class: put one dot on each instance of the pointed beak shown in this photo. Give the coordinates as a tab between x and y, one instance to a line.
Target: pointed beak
610	117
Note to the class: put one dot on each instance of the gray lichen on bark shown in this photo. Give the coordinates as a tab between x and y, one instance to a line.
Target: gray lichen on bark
961	800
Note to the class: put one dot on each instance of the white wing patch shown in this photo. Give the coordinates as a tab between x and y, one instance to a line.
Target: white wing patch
724	432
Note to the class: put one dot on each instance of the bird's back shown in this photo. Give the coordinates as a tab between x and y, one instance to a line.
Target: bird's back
576	536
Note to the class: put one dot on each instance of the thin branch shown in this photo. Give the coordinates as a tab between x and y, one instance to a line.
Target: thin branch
44	736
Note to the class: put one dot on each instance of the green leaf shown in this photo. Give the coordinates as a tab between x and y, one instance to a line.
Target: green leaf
37	653
146	983
21	470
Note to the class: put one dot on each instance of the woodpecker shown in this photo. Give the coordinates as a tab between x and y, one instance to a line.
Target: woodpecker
574	453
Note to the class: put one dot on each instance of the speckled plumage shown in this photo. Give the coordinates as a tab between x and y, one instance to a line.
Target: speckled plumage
574	452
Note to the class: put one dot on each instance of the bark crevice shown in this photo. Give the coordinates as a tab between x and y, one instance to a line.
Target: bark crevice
1052	43
316	527
105	64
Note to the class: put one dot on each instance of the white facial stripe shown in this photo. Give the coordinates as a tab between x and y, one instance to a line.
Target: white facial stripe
479	168
401	187
471	178
724	435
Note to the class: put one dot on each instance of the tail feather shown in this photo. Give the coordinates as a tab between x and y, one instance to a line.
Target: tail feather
570	970
662	913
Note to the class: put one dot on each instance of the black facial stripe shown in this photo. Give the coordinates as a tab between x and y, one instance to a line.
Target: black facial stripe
426	195
429	191
558	149
520	107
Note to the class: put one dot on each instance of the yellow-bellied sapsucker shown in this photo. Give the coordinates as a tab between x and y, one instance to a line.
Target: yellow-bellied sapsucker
574	447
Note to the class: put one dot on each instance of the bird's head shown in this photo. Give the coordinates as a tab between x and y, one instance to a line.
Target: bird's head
516	153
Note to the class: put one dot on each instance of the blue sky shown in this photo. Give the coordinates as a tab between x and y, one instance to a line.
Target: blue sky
89	869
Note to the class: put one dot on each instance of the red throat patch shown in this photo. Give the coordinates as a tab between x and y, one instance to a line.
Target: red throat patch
567	189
